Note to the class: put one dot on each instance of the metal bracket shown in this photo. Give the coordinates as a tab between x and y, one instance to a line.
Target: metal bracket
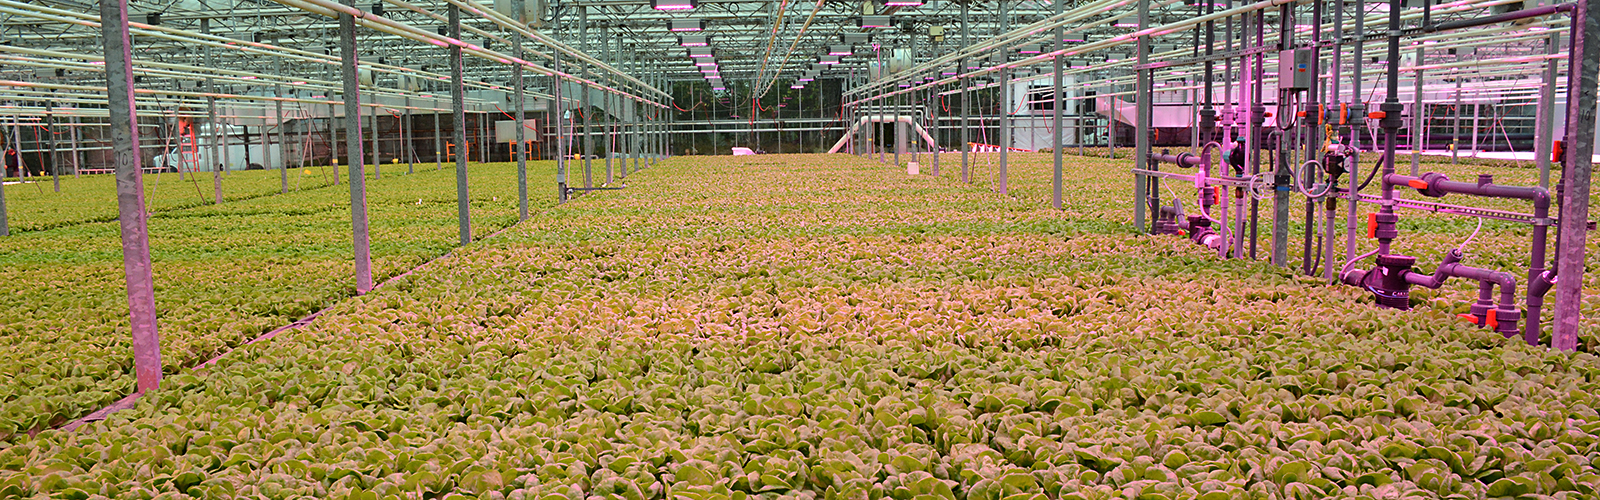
571	190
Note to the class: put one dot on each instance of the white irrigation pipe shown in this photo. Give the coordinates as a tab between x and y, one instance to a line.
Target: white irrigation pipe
1132	37
140	29
368	20
511	24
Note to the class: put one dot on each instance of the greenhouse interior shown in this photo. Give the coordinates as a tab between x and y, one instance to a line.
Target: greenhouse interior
834	250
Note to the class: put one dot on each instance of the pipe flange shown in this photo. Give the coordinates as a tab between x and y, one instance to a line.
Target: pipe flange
1432	185
1396	261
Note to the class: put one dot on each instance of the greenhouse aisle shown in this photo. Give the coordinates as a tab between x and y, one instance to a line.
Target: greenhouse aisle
825	326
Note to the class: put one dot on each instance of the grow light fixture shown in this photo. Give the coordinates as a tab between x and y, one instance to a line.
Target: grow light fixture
685	25
700	52
855	38
869	22
694	40
828	60
1028	49
674	4
902	3
797	86
804	79
948	71
1127	22
840	50
705	61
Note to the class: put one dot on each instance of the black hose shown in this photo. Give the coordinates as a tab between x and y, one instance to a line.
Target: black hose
1317	264
1370	175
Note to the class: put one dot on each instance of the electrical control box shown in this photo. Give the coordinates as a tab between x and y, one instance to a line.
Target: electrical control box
1294	69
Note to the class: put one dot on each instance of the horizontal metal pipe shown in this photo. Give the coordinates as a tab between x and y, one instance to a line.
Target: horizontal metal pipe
1502	18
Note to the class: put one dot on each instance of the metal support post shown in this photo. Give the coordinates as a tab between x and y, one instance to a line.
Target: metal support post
1544	127
1005	103
406	142
133	219
458	108
377	163
50	128
1141	133
966	111
438	146
358	178
517	93
1573	236
1055	113
211	109
1417	112
283	162
555	111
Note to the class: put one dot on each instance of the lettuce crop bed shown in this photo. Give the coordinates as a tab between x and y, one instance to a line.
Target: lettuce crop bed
825	327
223	273
35	206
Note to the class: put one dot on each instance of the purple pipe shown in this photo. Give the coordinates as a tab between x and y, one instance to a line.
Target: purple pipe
1506	314
1436	185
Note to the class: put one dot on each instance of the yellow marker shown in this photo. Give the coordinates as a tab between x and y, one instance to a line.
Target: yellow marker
308	171
335	161
396	160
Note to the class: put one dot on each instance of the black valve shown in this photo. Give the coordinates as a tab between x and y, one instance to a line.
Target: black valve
1236	157
1390	285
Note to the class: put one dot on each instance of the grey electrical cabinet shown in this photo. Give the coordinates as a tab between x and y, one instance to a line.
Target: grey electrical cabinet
1294	69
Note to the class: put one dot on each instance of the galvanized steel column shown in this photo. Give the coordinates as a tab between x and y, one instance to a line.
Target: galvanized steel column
1056	129
458	107
556	109
583	100
211	109
1582	62
358	178
50	127
438	148
518	6
377	163
132	217
1005	104
283	141
966	141
1141	135
1544	127
406	144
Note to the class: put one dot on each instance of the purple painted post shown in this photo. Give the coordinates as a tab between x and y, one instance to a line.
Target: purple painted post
130	195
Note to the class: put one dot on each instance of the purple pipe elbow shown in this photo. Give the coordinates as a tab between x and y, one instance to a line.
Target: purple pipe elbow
1353	277
1506	313
1542	284
1438	277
